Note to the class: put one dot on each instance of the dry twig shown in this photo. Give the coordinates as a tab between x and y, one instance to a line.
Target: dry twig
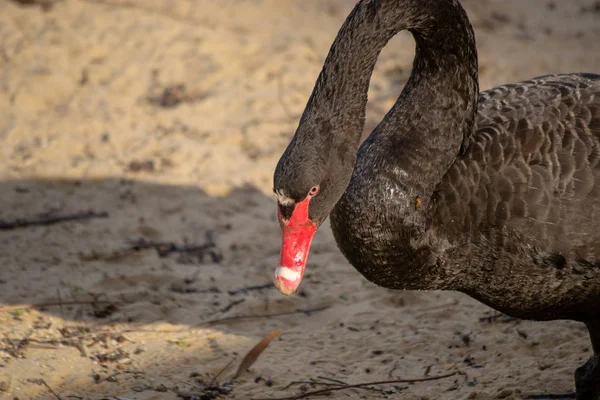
336	382
231	305
43	382
163	249
498	317
250	288
214	379
306	311
52	304
548	396
358	385
292	383
50	220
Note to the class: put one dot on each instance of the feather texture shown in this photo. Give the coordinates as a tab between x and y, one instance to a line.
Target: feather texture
494	194
522	203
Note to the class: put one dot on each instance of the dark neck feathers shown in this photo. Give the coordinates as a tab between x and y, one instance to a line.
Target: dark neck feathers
443	85
434	113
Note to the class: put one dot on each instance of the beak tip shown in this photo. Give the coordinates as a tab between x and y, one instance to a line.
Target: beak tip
287	280
283	288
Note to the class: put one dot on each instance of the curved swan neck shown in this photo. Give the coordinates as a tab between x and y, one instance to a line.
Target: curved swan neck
433	115
445	49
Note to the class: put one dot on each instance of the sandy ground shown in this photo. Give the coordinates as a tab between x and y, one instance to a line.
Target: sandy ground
170	117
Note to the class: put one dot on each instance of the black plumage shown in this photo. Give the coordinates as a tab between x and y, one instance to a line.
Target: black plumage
495	194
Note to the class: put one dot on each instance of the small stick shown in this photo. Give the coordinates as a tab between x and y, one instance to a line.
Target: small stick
212	382
250	288
333	380
292	383
231	305
50	220
498	316
358	385
552	396
307	311
43	382
52	304
491	317
164	248
342	383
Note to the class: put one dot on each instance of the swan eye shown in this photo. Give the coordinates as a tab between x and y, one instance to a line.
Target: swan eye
313	191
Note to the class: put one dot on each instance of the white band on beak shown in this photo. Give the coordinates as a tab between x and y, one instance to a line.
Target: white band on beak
287	273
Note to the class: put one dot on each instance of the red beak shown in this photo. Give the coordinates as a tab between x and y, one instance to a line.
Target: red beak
297	233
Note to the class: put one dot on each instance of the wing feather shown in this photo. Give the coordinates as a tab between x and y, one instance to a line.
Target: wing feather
532	168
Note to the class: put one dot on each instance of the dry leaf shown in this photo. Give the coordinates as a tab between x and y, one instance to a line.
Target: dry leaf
256	351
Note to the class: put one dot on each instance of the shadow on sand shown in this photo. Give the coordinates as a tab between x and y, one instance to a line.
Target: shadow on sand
156	281
162	264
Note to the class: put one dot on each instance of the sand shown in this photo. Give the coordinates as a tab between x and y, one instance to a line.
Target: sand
170	117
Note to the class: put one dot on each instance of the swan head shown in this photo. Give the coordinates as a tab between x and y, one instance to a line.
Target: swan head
307	185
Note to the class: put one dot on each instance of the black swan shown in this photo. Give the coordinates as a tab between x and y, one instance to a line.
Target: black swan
493	194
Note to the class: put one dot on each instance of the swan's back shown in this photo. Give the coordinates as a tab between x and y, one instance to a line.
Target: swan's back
527	189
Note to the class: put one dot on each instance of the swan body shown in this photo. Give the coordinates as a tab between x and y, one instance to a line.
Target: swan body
495	194
518	210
